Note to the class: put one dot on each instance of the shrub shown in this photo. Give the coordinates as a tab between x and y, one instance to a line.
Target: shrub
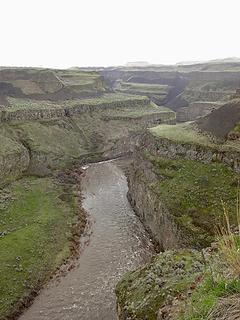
229	240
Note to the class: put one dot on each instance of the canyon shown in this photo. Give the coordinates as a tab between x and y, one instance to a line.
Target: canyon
52	123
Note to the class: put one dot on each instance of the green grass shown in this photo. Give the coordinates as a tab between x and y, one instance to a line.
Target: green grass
186	133
19	103
183	277
145	87
236	128
206	296
35	228
192	191
138	112
9	146
183	132
57	137
81	80
77	77
13	159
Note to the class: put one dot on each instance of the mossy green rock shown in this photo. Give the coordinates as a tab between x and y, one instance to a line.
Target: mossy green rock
141	293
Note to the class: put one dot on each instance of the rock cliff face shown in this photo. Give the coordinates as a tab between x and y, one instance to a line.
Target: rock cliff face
38	110
175	184
152	211
206	154
157	163
196	110
41	137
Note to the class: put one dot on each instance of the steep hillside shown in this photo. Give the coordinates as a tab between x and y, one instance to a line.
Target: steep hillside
222	122
53	134
179	179
51	122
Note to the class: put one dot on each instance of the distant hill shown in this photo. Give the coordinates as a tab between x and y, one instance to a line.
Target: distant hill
221	121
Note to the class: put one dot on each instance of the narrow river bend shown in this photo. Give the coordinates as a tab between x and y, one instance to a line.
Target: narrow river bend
118	243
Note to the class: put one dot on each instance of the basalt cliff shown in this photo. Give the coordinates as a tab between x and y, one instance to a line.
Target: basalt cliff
182	181
53	121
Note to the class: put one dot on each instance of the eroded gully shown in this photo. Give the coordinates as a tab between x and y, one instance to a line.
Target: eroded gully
118	243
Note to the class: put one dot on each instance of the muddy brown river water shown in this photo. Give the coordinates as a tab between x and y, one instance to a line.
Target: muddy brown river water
118	243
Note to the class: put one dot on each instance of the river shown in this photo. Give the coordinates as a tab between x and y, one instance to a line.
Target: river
118	243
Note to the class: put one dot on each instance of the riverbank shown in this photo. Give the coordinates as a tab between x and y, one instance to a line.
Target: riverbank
39	138
42	220
184	187
118	243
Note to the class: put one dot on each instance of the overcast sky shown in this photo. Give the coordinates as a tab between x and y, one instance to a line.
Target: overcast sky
65	33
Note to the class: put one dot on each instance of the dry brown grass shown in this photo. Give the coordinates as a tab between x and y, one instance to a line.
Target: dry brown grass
229	239
226	309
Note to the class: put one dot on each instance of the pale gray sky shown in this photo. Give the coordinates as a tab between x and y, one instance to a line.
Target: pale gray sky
65	33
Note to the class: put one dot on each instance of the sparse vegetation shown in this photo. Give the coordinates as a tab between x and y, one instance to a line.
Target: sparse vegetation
229	241
210	290
201	305
143	292
215	297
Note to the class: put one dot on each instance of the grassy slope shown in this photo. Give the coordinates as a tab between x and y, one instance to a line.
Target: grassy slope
145	87
186	133
58	140
206	296
13	158
8	146
81	80
19	103
193	191
183	132
137	112
41	81
35	226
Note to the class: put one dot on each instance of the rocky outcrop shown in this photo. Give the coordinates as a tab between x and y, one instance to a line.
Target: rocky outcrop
152	211
40	141
191	151
196	110
157	162
57	111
